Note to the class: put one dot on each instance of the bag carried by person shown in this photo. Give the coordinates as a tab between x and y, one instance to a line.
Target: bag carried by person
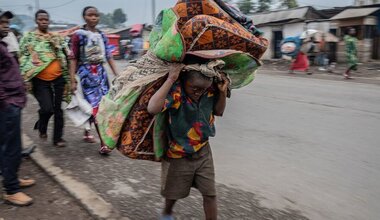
290	46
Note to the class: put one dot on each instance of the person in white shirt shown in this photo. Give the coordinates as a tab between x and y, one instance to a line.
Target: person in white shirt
12	42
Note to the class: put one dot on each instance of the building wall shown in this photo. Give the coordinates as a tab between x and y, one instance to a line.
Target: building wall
294	29
268	35
320	26
365	2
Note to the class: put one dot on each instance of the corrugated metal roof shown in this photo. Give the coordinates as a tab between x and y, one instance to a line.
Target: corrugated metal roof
276	16
354	13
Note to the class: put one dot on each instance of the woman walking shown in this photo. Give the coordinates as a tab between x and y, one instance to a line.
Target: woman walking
90	51
301	62
44	66
351	52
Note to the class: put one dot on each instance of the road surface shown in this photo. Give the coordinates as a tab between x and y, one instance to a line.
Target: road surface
309	144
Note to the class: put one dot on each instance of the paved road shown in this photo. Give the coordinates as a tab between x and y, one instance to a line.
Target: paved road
288	147
309	144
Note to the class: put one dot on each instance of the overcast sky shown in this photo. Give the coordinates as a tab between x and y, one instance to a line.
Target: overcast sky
138	11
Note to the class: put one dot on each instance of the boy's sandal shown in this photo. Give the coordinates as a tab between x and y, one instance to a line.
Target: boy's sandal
104	150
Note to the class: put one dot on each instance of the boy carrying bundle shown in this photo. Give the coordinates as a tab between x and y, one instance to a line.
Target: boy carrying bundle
191	100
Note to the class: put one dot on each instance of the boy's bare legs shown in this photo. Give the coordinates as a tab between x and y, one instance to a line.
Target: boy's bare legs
169	204
210	207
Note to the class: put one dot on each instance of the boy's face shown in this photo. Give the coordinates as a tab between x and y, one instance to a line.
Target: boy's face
196	87
4	26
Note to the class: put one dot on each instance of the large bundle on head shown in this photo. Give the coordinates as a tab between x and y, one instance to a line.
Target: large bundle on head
290	46
191	30
202	28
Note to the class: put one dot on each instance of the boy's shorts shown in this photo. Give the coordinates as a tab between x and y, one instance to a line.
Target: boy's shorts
179	175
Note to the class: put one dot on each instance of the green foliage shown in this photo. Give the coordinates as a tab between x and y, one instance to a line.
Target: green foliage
113	19
246	6
264	5
106	19
289	3
119	16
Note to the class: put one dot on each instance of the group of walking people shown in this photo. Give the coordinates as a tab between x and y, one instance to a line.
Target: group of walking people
51	70
309	45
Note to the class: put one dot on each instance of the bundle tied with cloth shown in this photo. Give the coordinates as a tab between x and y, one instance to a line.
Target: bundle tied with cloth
191	30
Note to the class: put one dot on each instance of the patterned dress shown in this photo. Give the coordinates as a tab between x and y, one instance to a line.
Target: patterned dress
91	50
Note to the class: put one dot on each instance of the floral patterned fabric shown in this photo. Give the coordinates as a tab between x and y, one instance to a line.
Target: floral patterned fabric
137	134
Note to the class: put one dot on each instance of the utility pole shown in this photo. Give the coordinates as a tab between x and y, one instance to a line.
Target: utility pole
30	9
153	11
37	5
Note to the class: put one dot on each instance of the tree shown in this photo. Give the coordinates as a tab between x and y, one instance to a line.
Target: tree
246	6
264	5
106	19
119	16
289	3
113	19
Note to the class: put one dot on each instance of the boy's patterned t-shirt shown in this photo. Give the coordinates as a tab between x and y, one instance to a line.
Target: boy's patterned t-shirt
190	123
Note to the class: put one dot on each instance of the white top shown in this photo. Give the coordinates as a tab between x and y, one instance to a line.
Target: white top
11	41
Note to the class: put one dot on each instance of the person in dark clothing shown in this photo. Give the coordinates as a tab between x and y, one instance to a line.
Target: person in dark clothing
12	100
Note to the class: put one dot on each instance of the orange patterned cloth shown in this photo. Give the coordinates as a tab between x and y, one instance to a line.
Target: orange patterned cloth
136	140
51	72
205	26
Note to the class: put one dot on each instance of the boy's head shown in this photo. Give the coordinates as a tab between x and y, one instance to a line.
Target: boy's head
195	84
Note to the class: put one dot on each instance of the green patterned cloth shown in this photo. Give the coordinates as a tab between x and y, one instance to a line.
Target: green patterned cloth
38	50
351	50
165	41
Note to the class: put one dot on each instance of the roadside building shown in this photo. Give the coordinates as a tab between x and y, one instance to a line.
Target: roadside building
366	22
128	33
280	24
365	2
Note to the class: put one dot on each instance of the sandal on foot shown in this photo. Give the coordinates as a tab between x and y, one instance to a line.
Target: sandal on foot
89	139
61	143
104	150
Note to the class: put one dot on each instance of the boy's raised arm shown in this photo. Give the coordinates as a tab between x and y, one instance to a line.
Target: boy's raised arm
220	104
156	103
